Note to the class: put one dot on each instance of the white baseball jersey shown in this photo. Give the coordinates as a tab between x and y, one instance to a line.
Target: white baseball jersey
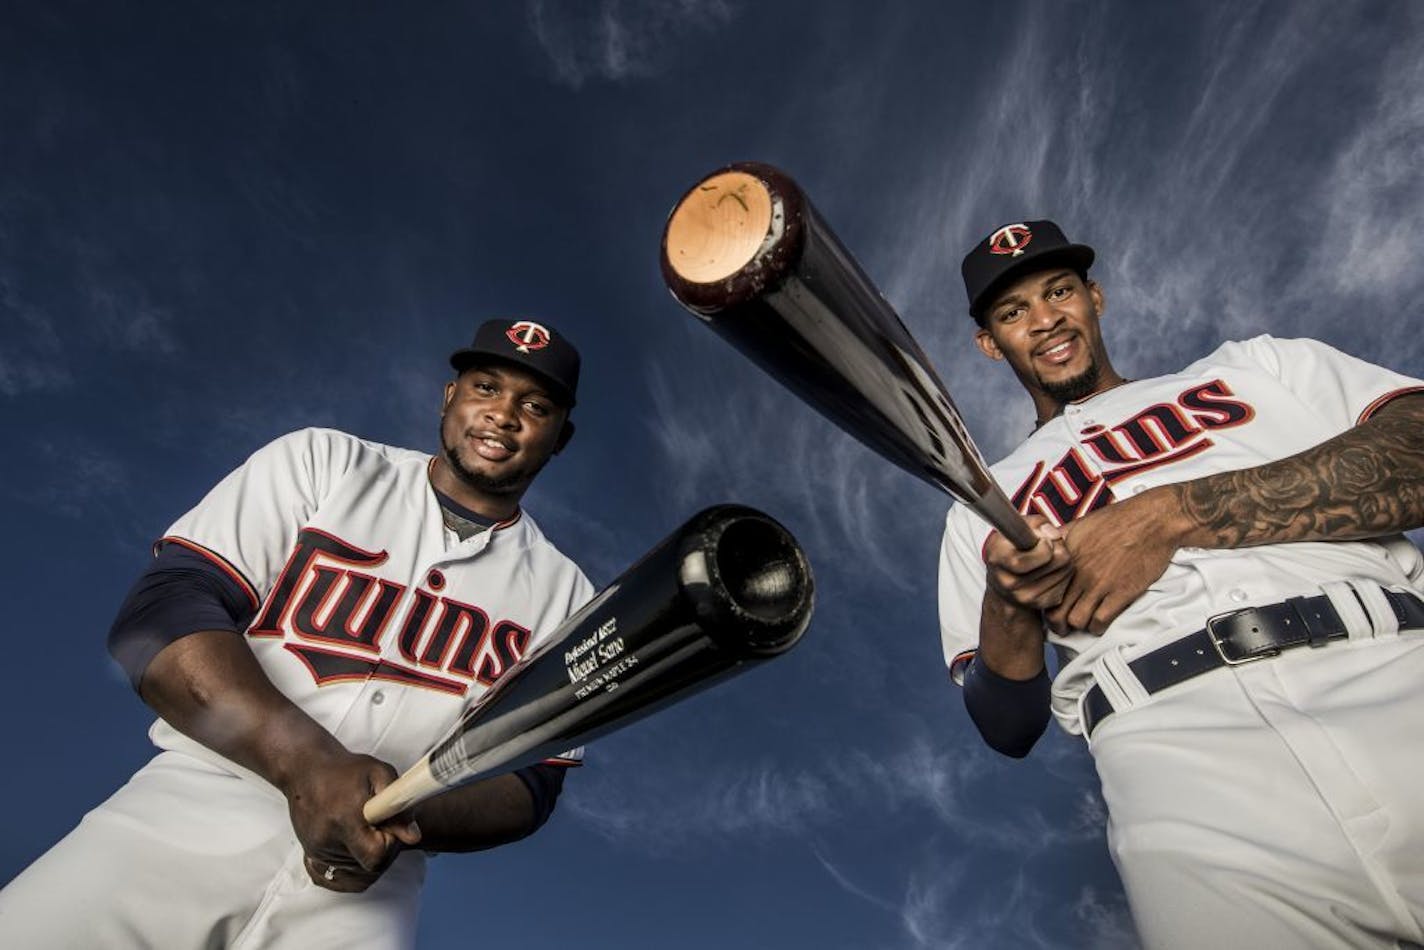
374	618
1273	804
1246	404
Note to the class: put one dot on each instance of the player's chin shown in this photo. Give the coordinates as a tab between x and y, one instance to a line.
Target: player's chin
1080	363
503	479
1070	383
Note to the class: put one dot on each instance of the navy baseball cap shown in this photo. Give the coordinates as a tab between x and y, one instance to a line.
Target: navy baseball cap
1014	250
534	346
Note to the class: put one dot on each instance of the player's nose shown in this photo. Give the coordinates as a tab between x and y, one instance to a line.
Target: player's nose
503	412
1043	315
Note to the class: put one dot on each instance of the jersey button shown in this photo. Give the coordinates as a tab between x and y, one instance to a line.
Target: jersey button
1237	594
377	698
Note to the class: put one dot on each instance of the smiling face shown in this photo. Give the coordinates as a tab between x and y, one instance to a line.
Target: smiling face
1046	326
498	426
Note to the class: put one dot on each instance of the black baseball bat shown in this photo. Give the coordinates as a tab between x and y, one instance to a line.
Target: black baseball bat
746	252
727	591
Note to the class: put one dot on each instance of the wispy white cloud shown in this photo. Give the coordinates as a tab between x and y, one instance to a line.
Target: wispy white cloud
1196	244
843	880
1106	920
1023	912
943	778
1373	198
750	439
89	475
110	312
593	40
31	353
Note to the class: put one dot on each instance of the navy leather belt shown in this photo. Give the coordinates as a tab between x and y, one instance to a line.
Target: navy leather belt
1244	636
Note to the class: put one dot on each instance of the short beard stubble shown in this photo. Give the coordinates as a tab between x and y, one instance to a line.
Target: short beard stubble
1064	391
516	481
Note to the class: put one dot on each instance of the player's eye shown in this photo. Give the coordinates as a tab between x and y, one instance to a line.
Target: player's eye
484	387
1006	316
1058	293
536	408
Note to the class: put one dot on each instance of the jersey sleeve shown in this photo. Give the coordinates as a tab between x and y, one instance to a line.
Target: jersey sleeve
961	588
248	524
1343	389
180	593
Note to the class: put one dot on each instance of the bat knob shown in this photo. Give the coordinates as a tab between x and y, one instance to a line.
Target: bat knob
749	581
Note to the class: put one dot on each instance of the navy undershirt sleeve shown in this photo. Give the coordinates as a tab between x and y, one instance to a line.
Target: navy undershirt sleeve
1010	714
182	592
544	783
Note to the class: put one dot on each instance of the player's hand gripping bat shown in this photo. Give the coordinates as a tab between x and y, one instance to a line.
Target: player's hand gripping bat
728	590
745	251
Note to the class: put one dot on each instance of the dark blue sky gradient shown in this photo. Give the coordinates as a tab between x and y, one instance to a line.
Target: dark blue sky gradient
221	222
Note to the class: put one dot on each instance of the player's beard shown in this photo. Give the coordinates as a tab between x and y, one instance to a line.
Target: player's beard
512	483
1064	391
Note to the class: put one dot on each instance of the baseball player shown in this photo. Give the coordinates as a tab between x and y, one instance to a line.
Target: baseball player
306	632
1236	614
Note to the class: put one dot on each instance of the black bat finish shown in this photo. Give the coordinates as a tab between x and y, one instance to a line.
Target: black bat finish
727	591
803	310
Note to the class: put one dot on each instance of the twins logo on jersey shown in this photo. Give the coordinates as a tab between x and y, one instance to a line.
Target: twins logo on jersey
337	616
1158	435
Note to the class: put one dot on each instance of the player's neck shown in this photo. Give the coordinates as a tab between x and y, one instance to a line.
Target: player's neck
1048	407
499	507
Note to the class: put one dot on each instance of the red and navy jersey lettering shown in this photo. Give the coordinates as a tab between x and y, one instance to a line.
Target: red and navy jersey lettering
1158	435
488	659
317	619
334	617
464	622
1211	405
1069	489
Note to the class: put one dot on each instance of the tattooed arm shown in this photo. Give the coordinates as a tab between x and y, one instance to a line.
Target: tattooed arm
1363	483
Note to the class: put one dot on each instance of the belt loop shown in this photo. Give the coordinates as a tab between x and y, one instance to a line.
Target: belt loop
1352	612
1377	605
1119	684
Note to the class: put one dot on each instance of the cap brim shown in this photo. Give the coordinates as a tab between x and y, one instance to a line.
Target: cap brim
1077	256
465	358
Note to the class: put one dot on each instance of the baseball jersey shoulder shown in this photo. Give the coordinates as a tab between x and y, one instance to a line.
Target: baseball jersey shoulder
547	557
1343	388
248	522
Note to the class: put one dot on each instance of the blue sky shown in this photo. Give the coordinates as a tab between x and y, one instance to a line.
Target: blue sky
221	222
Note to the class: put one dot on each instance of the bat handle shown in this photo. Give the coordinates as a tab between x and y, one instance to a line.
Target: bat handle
1003	516
414	785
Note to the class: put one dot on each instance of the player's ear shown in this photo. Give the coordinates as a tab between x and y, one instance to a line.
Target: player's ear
1095	293
565	434
986	343
449	395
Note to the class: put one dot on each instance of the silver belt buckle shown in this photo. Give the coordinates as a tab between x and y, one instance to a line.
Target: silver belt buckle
1222	647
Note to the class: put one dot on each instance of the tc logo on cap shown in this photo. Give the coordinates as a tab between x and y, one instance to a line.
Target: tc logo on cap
1010	239
526	335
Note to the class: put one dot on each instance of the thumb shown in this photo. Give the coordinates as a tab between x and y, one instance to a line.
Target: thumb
404	829
1046	529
